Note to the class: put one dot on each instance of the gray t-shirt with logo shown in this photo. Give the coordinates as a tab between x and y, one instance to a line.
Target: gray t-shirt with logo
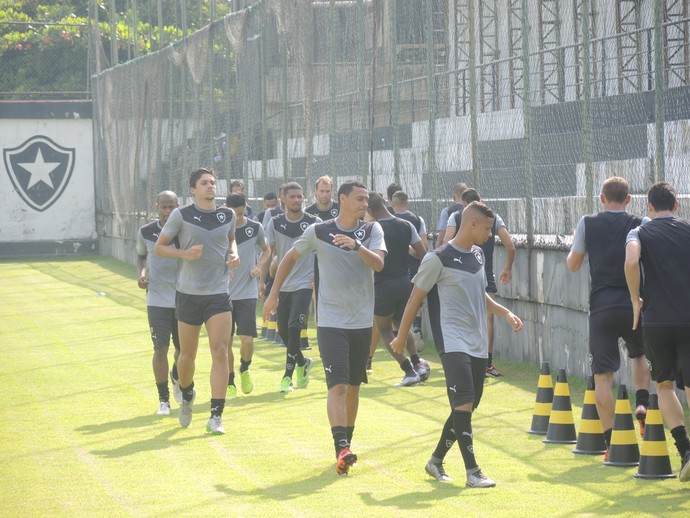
162	271
251	240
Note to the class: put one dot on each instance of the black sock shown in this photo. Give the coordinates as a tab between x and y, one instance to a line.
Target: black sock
231	378
414	359
163	391
175	376
642	398
681	437
217	406
188	392
607	437
417	324
490	360
339	438
406	365
293	355
294	334
244	365
447	439
350	433
462	424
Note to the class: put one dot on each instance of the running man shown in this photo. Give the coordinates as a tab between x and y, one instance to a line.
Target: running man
206	234
442	224
295	291
349	251
453	277
602	236
325	208
157	276
245	286
237	187
662	246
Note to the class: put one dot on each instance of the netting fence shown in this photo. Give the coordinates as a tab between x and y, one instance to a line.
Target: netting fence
533	103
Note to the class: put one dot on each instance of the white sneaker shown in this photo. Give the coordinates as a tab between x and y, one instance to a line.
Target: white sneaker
437	471
185	416
215	425
479	479
177	392
411	378
163	408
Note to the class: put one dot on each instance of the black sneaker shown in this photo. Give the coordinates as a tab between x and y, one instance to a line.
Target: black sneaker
684	475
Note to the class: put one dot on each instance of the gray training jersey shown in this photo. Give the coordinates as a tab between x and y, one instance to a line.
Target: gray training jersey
346	284
208	275
162	271
282	233
455	280
251	240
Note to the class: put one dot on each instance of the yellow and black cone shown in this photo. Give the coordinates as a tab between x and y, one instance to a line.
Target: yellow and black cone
623	450
654	460
590	439
271	331
561	428
264	328
542	405
303	339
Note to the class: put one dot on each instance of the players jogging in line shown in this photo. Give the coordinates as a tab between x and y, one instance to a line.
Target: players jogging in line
662	246
157	276
206	234
295	290
349	250
602	236
245	286
392	287
499	229
453	277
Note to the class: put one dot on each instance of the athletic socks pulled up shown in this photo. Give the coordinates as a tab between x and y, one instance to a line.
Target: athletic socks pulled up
339	438
462	424
163	391
446	441
217	407
680	437
188	392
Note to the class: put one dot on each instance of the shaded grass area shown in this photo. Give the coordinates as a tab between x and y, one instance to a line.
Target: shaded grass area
78	434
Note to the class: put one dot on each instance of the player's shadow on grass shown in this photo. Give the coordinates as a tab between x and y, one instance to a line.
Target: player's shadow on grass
288	490
140	421
161	441
418	500
271	397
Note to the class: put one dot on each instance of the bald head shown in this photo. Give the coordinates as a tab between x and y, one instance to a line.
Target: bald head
165	203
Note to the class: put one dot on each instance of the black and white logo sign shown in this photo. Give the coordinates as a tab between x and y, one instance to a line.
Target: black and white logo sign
39	170
304	225
334	212
221	217
249	231
359	234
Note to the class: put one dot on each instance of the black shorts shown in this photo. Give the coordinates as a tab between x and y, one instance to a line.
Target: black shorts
344	354
605	328
668	351
491	282
244	317
197	309
163	325
464	378
391	296
293	310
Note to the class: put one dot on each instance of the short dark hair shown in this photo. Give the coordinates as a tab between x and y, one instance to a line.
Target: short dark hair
615	189
290	186
400	197
235	200
481	208
662	196
376	202
198	173
459	188
236	183
348	186
392	189
270	196
470	194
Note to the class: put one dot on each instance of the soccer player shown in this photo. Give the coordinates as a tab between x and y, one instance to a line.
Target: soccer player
245	286
453	277
349	251
456	194
392	287
325	208
662	246
270	201
157	276
206	234
237	187
499	229
602	236
390	191
296	290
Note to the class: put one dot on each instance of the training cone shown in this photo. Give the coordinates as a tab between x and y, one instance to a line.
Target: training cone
590	439
271	331
303	339
654	460
623	450
542	405
264	328
561	428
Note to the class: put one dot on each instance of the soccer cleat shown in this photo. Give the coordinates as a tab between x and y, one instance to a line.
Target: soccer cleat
684	474
423	369
231	393
411	378
286	384
177	392
492	371
163	408
215	425
369	367
418	340
303	373
345	459
479	479
246	382
437	471
641	415
185	415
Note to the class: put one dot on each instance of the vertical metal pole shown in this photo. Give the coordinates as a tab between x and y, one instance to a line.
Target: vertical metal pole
586	106
431	95
362	159
526	114
285	112
332	74
395	92
113	35
472	69
135	27
659	94
161	32
264	101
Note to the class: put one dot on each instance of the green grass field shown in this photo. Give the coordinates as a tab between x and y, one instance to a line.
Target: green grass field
78	434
